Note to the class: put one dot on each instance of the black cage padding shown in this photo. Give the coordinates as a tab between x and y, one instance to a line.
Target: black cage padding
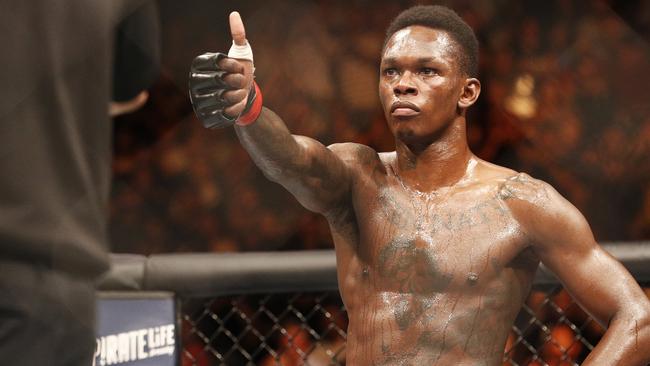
217	274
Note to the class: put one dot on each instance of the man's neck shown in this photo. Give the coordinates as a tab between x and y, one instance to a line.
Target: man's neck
441	163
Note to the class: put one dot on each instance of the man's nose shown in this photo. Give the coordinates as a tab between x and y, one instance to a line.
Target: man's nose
405	85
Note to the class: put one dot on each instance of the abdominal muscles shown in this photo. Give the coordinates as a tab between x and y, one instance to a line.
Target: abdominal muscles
455	328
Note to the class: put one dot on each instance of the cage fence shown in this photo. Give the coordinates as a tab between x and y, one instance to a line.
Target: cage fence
283	308
309	329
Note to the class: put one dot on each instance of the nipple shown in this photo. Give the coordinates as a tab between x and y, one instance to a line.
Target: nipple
472	278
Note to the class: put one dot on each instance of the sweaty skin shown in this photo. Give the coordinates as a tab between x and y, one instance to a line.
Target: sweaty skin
436	249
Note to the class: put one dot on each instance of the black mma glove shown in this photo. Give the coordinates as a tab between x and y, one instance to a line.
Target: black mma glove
206	88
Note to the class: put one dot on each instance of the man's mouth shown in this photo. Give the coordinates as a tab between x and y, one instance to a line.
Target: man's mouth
404	109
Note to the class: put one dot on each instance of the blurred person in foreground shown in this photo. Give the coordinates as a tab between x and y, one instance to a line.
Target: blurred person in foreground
436	249
57	90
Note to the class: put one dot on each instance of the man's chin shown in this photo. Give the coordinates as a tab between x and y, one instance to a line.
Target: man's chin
413	137
402	125
405	134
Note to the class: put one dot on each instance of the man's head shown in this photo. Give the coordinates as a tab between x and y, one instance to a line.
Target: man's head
428	65
445	19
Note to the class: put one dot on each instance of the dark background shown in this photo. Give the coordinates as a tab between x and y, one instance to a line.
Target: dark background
564	98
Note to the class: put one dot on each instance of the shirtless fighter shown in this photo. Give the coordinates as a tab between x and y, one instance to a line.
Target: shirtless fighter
436	248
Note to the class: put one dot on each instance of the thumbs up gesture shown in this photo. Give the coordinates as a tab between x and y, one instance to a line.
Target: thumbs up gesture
221	86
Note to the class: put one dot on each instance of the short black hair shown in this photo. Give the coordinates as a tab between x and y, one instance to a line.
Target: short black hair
442	18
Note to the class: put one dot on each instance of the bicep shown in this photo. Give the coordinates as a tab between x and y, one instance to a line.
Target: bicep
565	244
596	280
324	180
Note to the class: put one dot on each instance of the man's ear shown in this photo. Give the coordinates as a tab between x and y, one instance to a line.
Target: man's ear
470	93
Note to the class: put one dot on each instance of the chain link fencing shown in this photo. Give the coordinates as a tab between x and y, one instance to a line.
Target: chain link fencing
309	329
283	308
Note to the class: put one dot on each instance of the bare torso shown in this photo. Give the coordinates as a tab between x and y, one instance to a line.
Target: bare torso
430	278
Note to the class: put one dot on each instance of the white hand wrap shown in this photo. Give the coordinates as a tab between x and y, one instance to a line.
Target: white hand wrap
244	52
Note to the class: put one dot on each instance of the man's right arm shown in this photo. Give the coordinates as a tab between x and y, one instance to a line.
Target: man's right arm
313	173
222	87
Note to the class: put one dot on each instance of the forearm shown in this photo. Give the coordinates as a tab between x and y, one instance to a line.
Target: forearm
313	173
625	343
271	146
222	87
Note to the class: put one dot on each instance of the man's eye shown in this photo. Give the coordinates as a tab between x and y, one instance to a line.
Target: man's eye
390	72
428	71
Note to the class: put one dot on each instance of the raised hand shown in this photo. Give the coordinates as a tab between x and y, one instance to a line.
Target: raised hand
221	86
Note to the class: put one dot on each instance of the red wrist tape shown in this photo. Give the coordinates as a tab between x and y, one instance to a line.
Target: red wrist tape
255	110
